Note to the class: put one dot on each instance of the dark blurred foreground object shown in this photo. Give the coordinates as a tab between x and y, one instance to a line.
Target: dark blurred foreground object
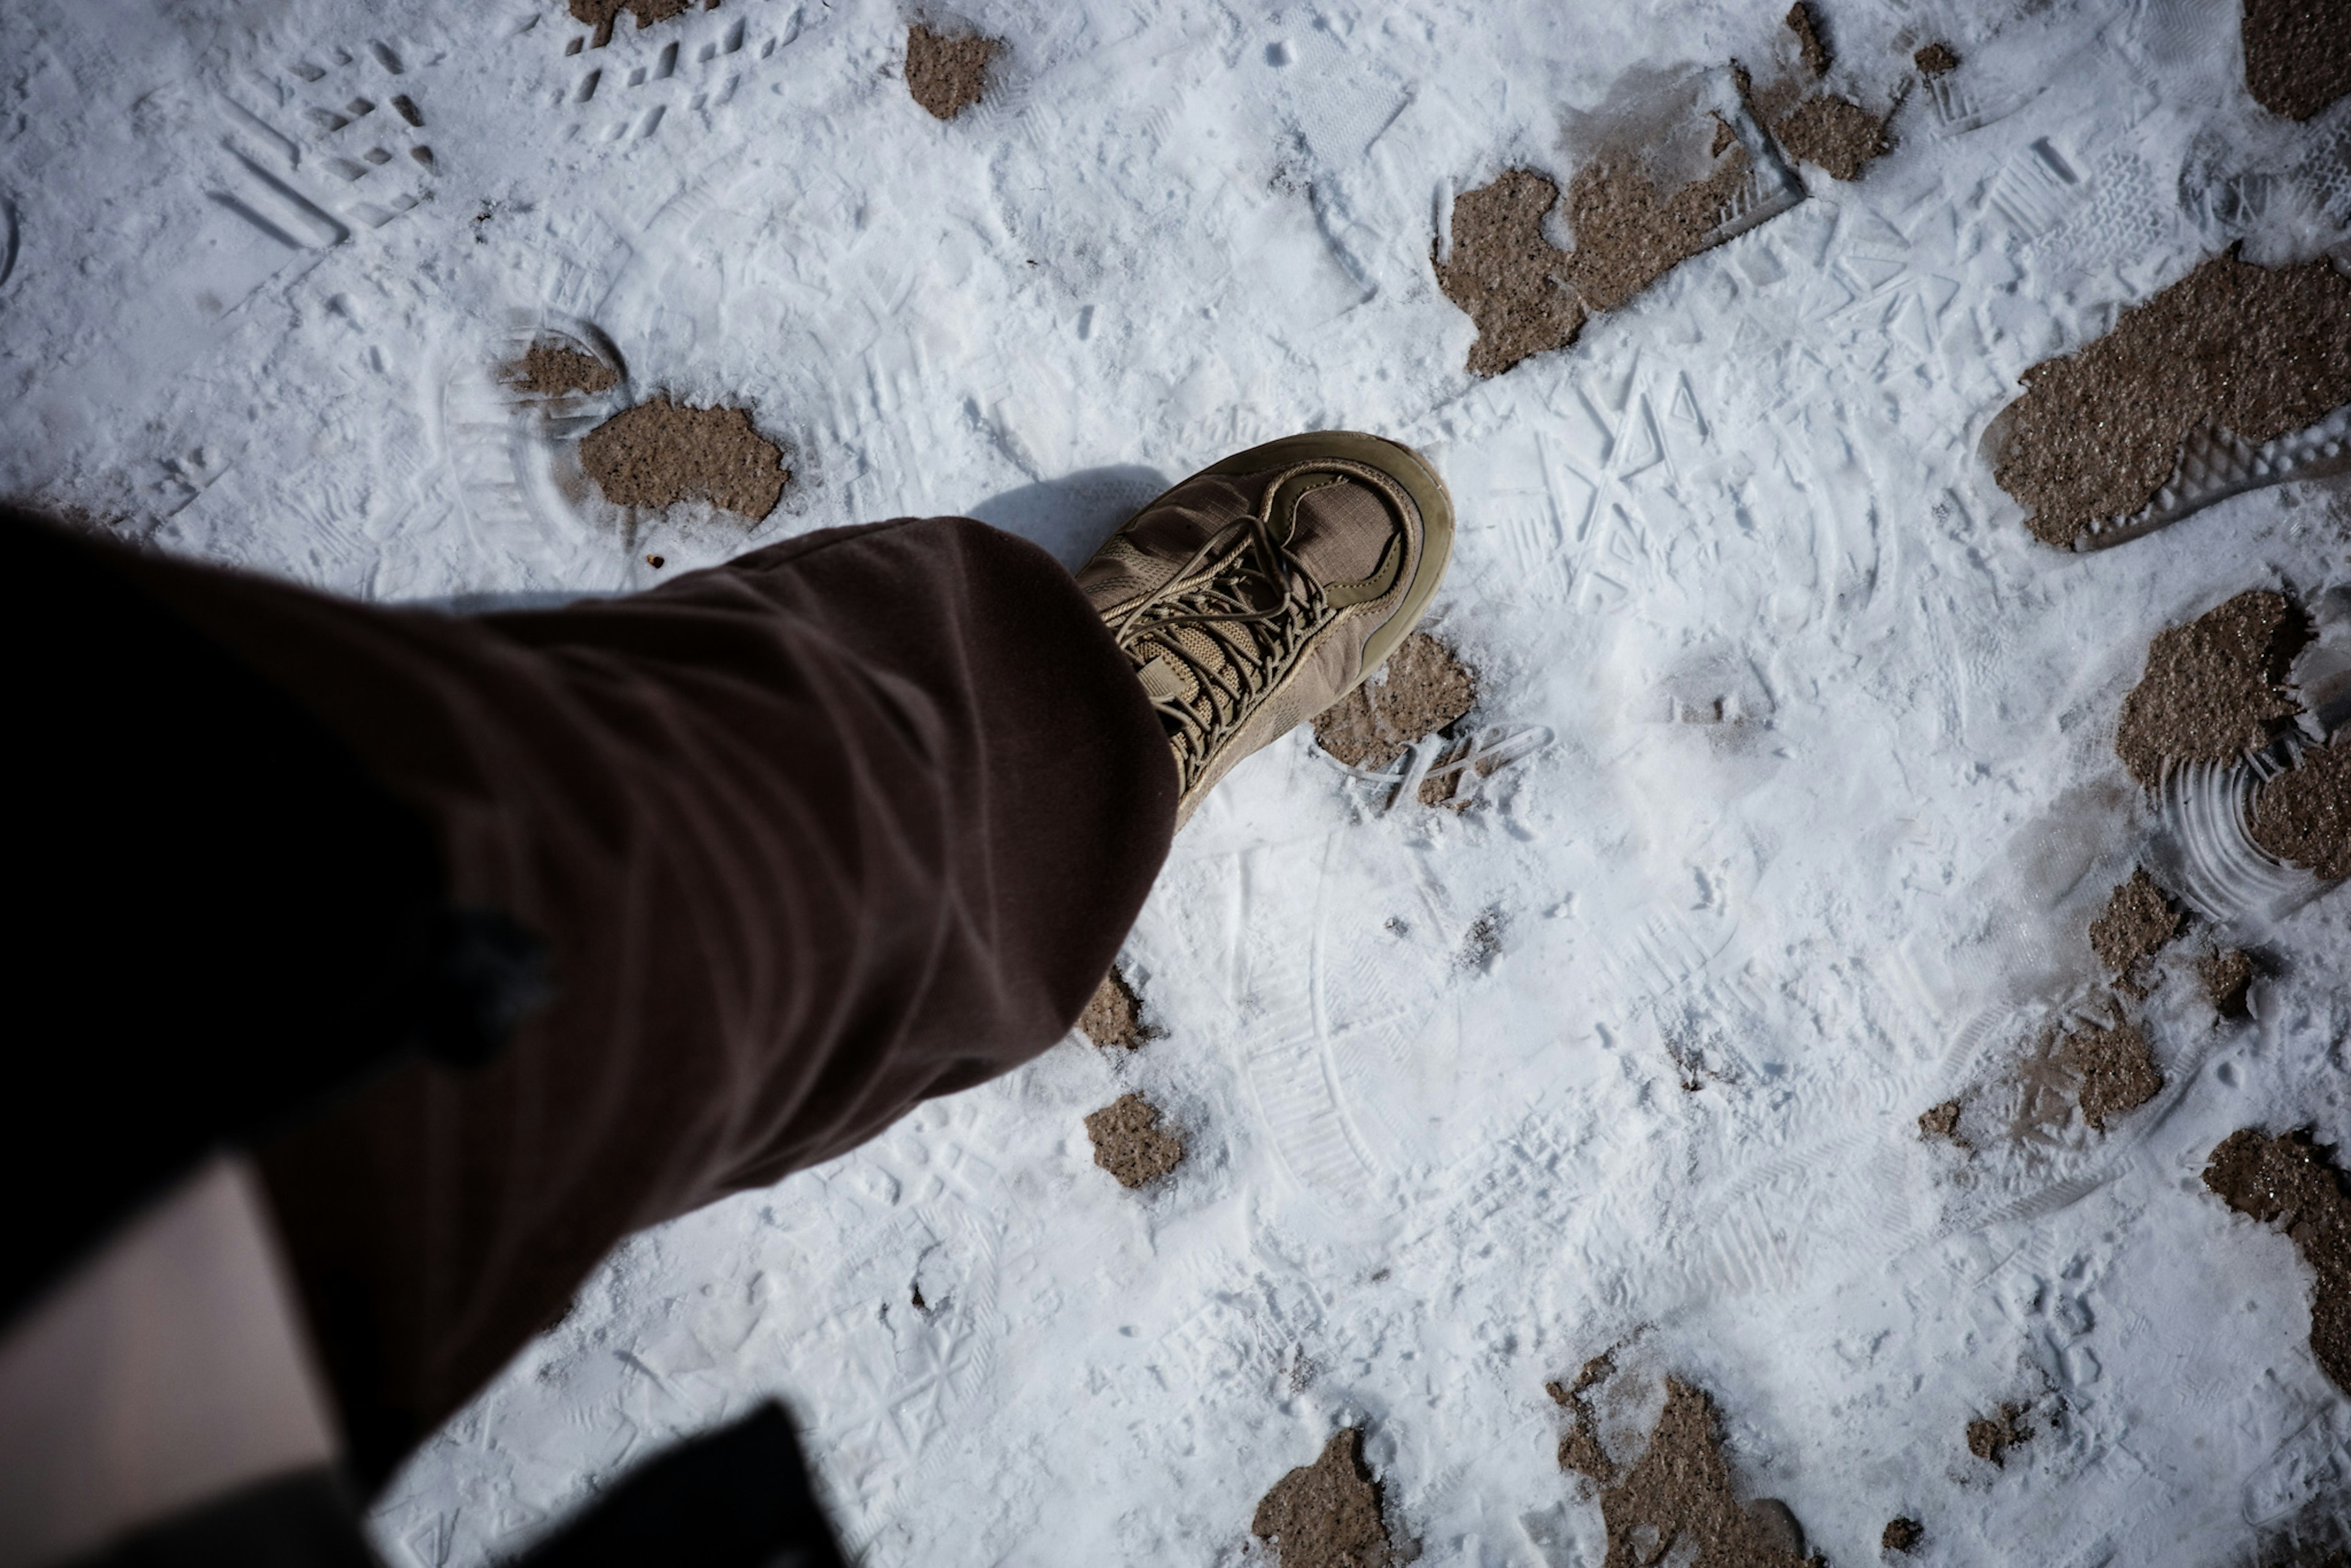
223	921
736	1498
787	845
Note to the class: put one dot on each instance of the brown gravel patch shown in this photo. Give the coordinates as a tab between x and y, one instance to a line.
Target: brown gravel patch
1991	1437
660	452
1129	1144
2228	976
1676	1501
1628	234
1834	134
2138	919
601	15
948	75
2213	689
1423	687
1113	1017
2261	351
2297	55
548	369
2291	1182
2304	816
1935	59
1327	1514
1527	296
2116	1069
1901	1535
1805	23
1506	275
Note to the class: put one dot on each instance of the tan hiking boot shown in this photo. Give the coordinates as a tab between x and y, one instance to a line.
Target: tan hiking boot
1262	589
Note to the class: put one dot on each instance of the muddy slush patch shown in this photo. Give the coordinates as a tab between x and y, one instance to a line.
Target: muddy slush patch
948	74
1991	1437
602	15
2291	1183
1422	688
2213	689
2098	434
1327	1514
1935	59
2304	815
2138	919
551	369
1677	1498
2297	55
1129	1144
2228	976
1942	1122
1901	1535
660	452
1113	1016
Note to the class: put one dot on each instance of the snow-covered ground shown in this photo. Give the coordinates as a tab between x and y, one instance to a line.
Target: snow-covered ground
1815	792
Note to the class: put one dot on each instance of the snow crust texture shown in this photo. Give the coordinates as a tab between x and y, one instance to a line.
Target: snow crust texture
1794	784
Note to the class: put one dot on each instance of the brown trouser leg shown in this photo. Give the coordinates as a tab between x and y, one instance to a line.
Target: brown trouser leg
853	821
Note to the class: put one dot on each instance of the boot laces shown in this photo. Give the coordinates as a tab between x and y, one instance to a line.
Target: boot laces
1255	607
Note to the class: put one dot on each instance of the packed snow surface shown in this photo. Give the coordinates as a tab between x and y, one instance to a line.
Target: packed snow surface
1806	792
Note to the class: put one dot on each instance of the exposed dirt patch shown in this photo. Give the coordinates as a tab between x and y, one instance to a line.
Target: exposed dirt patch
1129	1144
1991	1437
948	75
1935	59
2291	1182
1628	235
1580	1449
2101	1070
1113	1017
661	452
2138	919
1327	1514
601	13
1805	24
2297	55
1507	275
2304	816
2227	975
550	369
1942	1122
1422	688
1901	1535
2097	433
2213	689
1629	228
2114	1067
1677	1498
1834	134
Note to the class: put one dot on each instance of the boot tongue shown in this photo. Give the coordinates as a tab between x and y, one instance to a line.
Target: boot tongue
1342	532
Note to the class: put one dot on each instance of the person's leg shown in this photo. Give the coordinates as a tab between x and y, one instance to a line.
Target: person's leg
221	916
851	821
